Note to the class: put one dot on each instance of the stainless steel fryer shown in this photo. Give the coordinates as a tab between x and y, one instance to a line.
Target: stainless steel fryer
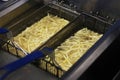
84	20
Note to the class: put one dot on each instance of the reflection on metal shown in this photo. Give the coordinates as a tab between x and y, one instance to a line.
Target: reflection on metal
15	10
5	0
14	6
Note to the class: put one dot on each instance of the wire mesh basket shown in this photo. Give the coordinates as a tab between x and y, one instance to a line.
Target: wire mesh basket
30	19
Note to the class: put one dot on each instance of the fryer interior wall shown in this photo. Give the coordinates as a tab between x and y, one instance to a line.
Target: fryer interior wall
101	8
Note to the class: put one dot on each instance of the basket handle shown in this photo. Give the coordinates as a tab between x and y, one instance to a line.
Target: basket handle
3	31
11	67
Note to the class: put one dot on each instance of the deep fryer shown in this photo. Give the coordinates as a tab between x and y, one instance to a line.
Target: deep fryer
94	22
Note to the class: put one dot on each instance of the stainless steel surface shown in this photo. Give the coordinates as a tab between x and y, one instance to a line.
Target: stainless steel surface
117	76
4	0
105	9
15	10
12	7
